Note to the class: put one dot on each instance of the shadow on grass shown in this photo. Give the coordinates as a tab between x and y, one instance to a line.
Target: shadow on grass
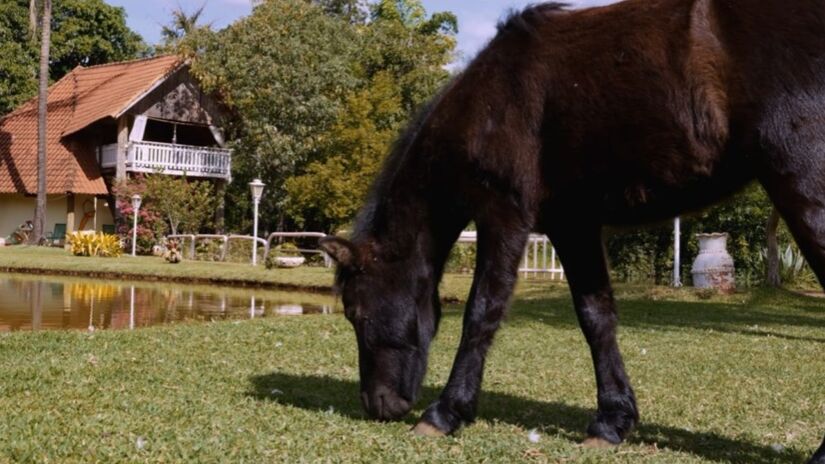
316	393
776	309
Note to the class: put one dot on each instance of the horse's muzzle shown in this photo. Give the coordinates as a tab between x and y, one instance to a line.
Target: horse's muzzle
384	404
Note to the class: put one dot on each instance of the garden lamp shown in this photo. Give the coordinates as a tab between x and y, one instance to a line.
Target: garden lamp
135	207
257	189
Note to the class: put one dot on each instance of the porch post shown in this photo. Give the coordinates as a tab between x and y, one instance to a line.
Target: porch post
220	211
122	144
70	213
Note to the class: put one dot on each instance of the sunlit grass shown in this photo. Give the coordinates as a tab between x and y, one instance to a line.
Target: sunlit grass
729	379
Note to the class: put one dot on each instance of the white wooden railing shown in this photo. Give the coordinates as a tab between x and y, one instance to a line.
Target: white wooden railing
167	158
539	256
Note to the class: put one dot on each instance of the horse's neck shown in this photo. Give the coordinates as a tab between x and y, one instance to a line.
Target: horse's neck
420	234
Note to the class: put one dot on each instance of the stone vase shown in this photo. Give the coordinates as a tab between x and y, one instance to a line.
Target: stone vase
713	267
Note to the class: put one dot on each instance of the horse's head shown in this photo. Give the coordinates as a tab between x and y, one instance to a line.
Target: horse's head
390	304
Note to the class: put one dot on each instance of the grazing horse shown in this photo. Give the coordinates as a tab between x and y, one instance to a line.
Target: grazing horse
567	122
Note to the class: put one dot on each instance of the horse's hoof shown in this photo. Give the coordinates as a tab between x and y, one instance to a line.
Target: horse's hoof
426	430
597	443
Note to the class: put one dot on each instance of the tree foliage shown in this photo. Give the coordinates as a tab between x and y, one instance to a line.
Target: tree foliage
84	32
188	206
284	70
320	89
330	191
181	26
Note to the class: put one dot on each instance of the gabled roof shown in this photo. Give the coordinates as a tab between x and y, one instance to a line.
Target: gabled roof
79	99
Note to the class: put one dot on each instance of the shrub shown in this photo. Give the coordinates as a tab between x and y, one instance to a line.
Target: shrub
646	256
208	249
462	258
284	249
101	245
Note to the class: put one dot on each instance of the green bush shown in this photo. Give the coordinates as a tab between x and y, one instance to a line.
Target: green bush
646	256
208	249
462	258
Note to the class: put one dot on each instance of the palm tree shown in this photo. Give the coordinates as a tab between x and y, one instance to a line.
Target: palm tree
43	95
181	25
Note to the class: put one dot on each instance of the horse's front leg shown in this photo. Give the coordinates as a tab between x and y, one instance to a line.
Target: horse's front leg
582	254
500	247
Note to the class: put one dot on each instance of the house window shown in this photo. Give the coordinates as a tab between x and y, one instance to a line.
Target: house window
183	134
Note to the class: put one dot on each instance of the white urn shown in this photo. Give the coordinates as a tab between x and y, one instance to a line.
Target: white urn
713	267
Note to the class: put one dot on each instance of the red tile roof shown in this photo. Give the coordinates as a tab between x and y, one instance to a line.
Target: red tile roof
79	99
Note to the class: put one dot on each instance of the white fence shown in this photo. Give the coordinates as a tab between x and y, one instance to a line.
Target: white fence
190	241
539	256
173	159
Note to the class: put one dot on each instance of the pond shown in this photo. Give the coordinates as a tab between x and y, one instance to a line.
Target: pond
64	303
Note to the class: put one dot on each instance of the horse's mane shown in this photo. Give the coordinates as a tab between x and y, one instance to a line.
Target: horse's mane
525	21
372	216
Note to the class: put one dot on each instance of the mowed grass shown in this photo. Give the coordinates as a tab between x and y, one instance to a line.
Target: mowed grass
59	261
729	379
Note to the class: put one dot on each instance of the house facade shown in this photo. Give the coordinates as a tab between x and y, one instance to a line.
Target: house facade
106	123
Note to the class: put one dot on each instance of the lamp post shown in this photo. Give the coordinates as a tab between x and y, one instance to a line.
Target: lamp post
135	208
257	189
677	261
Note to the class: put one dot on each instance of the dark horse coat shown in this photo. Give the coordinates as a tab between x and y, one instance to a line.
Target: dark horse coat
569	121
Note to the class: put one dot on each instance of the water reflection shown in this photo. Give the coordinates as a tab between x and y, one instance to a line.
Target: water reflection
47	303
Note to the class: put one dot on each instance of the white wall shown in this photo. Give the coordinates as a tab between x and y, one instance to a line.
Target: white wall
15	209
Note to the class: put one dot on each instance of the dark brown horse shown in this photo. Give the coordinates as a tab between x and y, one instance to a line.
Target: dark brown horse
569	121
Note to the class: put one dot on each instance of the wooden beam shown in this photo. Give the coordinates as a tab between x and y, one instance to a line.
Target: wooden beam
122	144
70	213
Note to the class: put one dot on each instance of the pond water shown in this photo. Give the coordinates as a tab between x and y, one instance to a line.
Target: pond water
63	303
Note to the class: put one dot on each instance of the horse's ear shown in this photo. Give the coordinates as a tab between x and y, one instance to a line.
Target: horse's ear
341	250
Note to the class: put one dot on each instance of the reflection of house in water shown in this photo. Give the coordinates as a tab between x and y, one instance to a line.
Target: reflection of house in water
35	303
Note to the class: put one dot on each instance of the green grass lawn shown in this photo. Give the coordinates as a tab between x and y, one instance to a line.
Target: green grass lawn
57	260
34	260
729	379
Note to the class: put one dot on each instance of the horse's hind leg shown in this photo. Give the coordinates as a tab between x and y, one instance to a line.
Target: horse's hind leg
798	191
502	235
580	249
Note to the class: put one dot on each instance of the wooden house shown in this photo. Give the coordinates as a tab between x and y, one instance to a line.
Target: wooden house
105	123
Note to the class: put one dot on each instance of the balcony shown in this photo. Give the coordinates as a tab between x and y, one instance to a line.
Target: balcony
171	159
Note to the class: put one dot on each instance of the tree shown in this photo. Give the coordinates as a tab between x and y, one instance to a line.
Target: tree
284	70
330	192
351	11
43	94
18	55
182	25
84	32
90	32
320	86
186	205
401	60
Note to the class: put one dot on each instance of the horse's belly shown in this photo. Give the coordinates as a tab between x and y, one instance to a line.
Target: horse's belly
639	203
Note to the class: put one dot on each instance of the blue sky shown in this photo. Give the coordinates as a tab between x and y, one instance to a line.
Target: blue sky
476	18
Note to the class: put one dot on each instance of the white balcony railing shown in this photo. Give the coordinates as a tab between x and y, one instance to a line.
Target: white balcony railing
167	158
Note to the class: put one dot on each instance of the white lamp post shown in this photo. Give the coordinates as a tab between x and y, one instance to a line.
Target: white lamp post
677	258
135	208
257	188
